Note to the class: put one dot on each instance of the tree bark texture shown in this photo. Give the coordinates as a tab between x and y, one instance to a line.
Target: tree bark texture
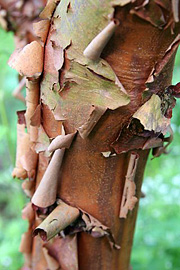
99	97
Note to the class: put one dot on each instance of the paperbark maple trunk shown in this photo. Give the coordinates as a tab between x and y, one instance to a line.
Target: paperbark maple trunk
122	115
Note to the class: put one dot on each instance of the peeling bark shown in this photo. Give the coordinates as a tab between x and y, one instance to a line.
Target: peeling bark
102	70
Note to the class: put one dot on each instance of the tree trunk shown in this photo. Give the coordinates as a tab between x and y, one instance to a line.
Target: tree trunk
100	75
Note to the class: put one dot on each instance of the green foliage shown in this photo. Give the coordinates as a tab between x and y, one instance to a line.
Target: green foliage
156	244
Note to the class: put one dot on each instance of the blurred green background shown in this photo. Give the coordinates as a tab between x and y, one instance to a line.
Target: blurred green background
157	237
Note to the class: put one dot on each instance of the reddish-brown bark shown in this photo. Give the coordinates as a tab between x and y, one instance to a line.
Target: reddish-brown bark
88	180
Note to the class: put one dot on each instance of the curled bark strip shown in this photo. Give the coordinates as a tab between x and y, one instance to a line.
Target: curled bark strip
61	217
29	159
169	52
61	141
132	136
29	163
87	223
118	83
45	194
65	251
154	12
175	9
51	126
42	166
42	142
167	56
22	148
38	262
41	29
153	143
17	91
49	9
97	229
35	120
128	199
32	100
29	60
95	48
158	151
95	115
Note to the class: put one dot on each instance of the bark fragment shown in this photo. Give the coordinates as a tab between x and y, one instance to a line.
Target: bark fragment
65	251
133	136
96	46
38	262
175	9
41	29
153	143
49	9
163	62
45	194
151	117
151	13
29	60
128	199
94	116
61	217
22	148
29	162
61	141
32	101
28	187
162	149
42	142
52	263
97	229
